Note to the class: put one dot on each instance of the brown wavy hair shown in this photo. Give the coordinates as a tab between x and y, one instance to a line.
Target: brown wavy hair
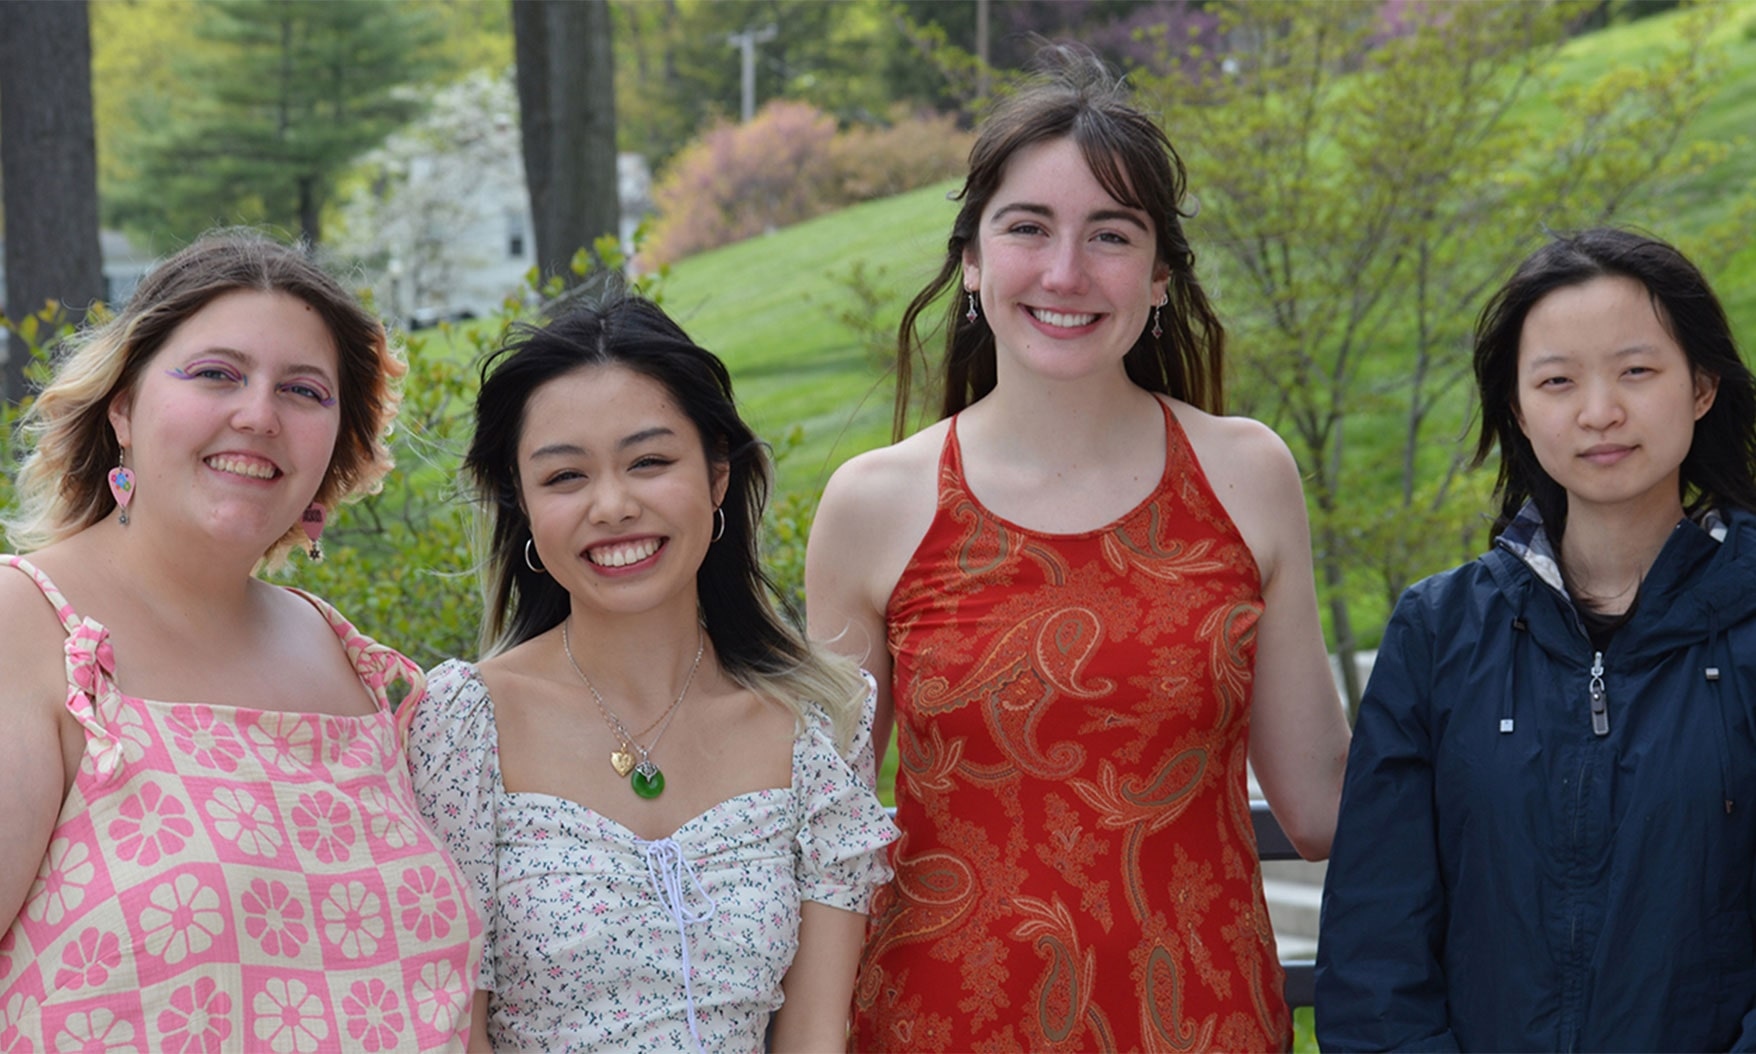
1074	96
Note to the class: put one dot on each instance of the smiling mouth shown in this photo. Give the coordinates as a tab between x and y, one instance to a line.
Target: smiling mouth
621	555
1062	319
251	468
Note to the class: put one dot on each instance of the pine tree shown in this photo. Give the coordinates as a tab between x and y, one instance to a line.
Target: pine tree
280	97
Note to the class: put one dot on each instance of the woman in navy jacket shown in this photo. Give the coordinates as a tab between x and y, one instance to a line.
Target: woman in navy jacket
1548	828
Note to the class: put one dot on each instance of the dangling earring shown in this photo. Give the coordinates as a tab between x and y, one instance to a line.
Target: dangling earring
720	527
1158	330
529	560
312	521
971	314
122	485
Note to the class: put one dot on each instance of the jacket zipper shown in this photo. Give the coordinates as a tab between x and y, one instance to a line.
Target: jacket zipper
1600	715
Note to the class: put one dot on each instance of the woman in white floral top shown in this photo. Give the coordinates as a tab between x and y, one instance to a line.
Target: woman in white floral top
660	792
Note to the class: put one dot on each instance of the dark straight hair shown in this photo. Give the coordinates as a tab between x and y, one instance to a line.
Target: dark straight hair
1720	468
1075	96
613	328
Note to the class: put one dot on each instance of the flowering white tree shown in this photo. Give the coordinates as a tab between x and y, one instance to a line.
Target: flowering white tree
436	215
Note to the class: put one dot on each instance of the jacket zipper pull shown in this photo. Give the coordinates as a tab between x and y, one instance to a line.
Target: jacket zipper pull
1600	716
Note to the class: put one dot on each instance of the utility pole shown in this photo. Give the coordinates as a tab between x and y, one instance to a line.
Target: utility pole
982	47
746	43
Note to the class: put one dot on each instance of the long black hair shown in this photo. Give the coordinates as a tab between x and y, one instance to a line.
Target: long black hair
1720	468
611	327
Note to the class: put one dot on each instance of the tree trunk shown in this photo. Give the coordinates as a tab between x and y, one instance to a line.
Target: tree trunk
310	219
567	112
1341	624
48	164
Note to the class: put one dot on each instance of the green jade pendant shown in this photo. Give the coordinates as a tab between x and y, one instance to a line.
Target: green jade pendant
647	780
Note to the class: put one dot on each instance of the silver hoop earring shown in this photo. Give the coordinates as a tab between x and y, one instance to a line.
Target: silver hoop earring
720	527
531	563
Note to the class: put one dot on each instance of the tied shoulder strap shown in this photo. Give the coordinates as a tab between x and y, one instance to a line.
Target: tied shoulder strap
92	696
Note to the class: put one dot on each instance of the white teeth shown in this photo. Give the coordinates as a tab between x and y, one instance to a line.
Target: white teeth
623	555
1065	321
239	466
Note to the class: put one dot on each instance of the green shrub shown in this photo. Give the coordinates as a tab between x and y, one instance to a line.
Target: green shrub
786	165
868	162
742	179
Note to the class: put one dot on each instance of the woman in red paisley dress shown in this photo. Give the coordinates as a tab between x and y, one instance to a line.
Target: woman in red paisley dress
1088	600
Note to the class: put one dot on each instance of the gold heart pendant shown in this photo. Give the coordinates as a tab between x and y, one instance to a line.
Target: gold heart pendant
622	762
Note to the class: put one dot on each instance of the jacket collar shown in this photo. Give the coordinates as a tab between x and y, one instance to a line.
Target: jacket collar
1526	538
1701	577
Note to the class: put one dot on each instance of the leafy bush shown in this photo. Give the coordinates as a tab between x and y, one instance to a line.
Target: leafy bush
39	332
742	179
398	563
789	164
868	162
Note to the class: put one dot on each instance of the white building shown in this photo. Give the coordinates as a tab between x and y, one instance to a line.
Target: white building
440	219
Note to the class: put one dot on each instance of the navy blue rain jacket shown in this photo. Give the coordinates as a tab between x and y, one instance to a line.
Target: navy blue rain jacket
1511	871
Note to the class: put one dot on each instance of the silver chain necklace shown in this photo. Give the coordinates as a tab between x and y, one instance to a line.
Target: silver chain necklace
644	776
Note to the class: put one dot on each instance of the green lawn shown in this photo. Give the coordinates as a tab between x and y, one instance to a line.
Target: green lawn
767	307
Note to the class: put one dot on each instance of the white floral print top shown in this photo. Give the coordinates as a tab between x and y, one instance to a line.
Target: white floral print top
229	879
599	939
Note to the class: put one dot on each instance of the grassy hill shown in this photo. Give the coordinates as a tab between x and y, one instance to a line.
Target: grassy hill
766	305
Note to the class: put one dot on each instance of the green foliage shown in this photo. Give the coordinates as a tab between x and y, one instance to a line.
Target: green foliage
267	111
1360	198
40	331
787	525
398	563
867	306
676	74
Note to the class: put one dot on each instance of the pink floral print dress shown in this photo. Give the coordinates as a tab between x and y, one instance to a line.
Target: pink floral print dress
222	878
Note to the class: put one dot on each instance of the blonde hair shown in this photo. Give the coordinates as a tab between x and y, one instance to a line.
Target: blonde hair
62	485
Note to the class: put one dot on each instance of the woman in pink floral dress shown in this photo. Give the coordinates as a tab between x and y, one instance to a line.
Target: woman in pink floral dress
211	838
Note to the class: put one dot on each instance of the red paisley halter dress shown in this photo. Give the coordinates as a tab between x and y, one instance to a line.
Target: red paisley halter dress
1077	869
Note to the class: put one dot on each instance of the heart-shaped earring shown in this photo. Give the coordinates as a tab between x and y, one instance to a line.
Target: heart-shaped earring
122	486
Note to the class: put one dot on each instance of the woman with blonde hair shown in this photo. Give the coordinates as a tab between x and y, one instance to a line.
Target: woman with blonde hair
212	841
